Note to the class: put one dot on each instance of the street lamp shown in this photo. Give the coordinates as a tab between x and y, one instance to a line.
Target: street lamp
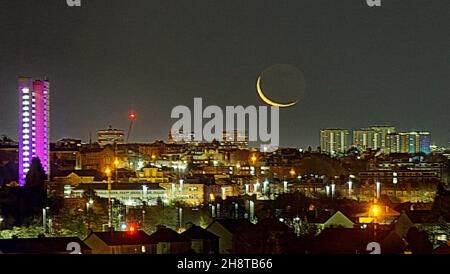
108	174
144	192
292	172
378	187
252	166
266	187
375	210
181	185
88	210
285	186
255	187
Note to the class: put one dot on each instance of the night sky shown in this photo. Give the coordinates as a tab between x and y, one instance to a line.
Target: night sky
362	66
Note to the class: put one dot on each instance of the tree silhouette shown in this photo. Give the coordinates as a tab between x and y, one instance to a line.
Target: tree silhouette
36	175
32	198
441	205
418	241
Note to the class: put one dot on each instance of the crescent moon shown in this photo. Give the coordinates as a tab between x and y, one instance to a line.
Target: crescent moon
267	100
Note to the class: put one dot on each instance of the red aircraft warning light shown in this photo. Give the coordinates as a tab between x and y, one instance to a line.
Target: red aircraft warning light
132	229
132	117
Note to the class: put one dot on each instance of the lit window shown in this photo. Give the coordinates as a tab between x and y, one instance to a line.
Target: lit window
26	148
26	113
26	119
26	136
441	237
26	103
26	125
26	165
25	90
26	97
26	108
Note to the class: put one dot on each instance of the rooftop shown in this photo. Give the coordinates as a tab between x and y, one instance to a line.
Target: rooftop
124	238
196	232
118	186
168	235
40	245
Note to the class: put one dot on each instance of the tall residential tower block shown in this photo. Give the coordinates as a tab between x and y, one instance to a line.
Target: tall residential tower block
34	124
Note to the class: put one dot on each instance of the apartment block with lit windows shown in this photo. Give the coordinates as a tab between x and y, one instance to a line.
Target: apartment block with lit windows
334	141
34	124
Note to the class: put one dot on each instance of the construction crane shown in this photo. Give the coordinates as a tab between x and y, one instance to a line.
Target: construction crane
132	117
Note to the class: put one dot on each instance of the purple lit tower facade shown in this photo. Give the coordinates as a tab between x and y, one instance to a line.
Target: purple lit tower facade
34	124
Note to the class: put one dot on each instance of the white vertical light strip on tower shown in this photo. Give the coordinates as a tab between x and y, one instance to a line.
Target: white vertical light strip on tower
26	102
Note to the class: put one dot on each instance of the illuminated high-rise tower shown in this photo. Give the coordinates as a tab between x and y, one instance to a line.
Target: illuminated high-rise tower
34	124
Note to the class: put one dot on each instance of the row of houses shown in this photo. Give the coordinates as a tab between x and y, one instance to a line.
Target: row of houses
220	237
334	233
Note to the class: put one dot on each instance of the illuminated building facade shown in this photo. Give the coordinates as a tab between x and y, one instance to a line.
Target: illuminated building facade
364	139
334	141
380	133
34	124
234	139
182	138
110	136
409	142
372	138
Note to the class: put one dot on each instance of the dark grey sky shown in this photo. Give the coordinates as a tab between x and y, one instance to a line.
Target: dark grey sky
362	65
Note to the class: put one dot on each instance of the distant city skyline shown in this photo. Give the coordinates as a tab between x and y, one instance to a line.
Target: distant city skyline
387	65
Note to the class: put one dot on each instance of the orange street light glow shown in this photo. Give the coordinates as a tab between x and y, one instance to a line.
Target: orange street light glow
292	172
375	210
